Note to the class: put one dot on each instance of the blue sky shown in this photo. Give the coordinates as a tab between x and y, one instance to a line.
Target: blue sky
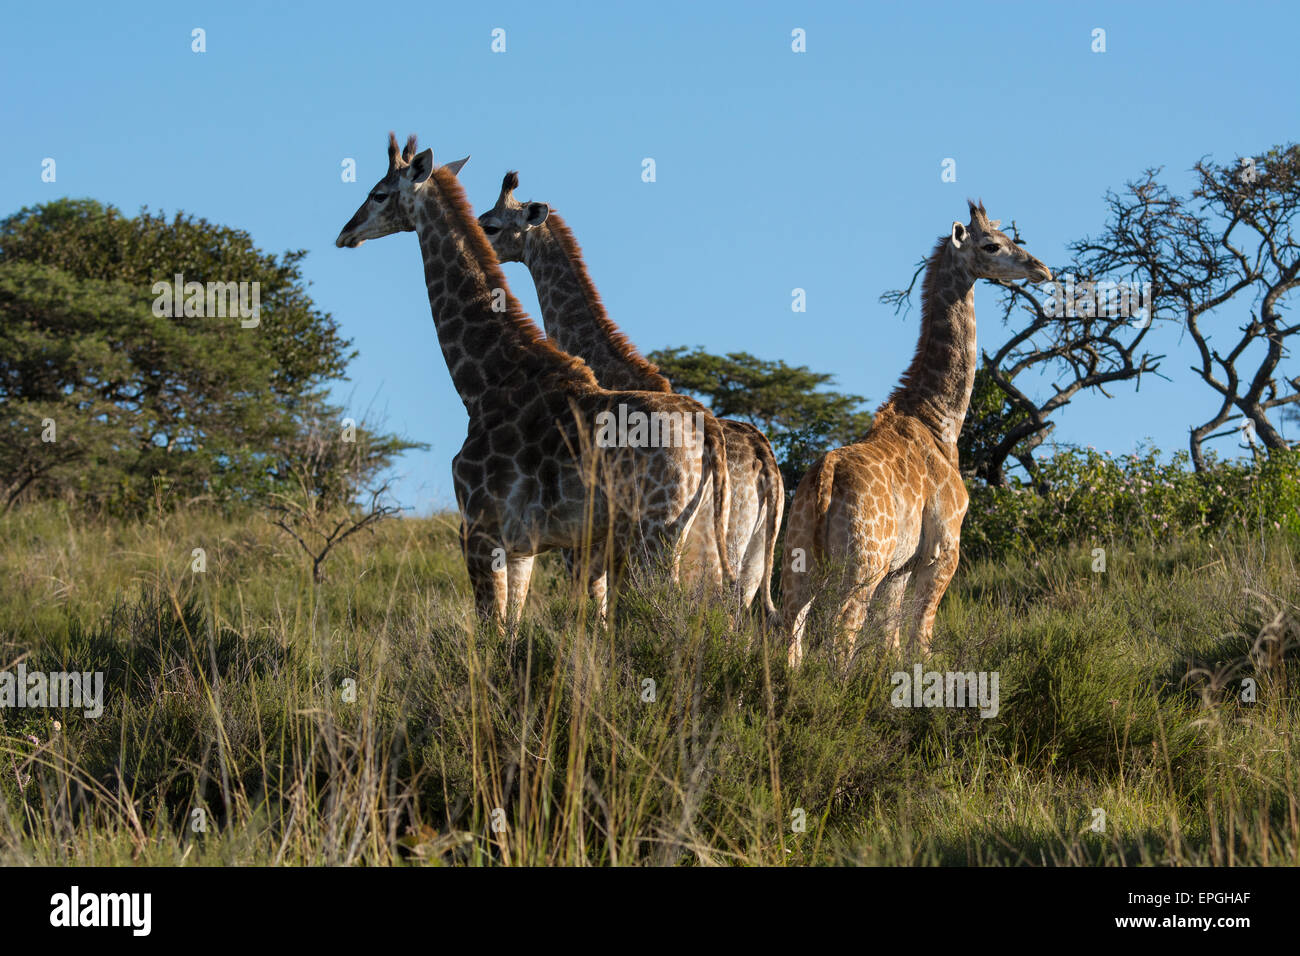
775	170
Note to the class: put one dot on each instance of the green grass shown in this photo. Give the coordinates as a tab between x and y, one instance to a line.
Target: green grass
228	694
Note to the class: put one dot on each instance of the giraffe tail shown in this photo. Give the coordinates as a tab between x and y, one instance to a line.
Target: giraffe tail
715	450
775	508
825	484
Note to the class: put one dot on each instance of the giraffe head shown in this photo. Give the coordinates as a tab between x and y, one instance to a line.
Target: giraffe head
508	222
986	253
390	206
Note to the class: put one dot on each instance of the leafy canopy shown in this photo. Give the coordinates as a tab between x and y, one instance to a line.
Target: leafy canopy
790	404
101	398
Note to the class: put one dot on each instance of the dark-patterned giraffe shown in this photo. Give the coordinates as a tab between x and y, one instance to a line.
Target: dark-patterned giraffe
886	510
575	319
540	468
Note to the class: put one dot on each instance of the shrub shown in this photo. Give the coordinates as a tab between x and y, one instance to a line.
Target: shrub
1085	495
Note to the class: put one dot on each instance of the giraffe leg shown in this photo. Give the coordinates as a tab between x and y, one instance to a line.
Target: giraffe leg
752	571
572	568
678	535
598	589
692	535
889	605
591	566
653	546
604	579
748	558
852	613
487	574
932	580
796	604
697	558
590	575
673	557
519	574
687	545
798	560
795	624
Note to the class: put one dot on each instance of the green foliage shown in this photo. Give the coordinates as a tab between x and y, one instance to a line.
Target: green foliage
989	419
365	721
790	404
201	405
1083	495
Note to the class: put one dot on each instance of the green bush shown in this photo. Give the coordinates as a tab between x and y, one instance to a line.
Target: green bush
1085	495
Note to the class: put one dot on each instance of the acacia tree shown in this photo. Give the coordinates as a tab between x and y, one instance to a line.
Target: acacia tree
330	489
1082	332
791	405
102	397
1229	249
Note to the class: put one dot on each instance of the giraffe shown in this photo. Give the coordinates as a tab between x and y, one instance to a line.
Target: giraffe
544	465
575	319
878	513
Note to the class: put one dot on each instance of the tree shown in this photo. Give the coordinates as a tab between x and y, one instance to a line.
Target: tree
789	404
330	490
996	426
1080	330
1229	248
103	392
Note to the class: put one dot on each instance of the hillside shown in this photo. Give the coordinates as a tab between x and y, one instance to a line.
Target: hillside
252	717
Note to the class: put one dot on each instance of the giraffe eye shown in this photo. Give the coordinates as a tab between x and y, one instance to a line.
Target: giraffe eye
491	230
990	247
379	197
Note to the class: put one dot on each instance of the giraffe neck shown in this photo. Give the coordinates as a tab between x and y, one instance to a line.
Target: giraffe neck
573	314
937	385
490	344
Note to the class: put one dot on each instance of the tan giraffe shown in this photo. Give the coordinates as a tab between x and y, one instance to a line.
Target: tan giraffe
878	513
575	319
552	460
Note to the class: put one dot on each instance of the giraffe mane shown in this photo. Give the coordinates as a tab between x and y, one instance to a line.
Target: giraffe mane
617	338
929	289
453	197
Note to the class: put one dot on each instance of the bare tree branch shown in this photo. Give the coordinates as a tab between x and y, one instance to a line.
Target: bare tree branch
1231	239
328	469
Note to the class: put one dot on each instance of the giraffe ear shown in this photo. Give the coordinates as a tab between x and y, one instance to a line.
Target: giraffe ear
455	166
958	235
537	213
422	166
